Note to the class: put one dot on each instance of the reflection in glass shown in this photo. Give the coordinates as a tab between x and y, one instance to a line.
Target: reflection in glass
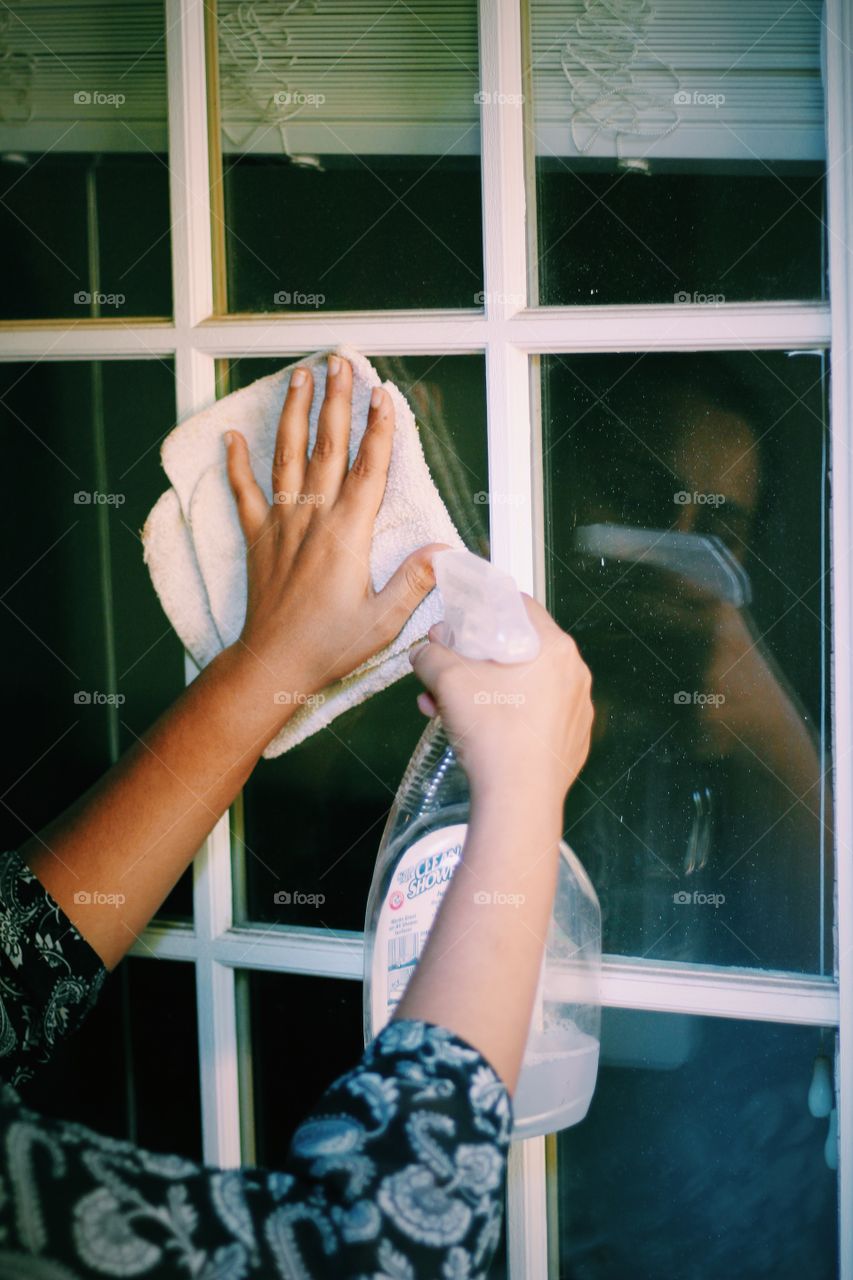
687	548
350	156
678	151
699	1157
84	179
313	817
81	625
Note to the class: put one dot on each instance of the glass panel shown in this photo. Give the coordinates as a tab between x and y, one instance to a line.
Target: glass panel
699	1156
678	151
132	1069
687	546
331	793
81	624
350	156
83	130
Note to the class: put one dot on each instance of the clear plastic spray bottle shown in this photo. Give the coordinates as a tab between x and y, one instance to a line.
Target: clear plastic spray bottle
423	840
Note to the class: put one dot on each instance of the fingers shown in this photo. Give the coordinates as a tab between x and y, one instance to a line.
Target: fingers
252	506
291	445
364	487
430	661
329	457
403	592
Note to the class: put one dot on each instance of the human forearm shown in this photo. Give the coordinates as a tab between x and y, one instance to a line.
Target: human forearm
134	832
479	969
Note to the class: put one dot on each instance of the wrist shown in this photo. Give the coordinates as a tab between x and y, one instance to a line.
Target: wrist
261	699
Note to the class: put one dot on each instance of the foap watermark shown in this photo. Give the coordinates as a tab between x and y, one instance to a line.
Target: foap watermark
683	899
298	98
290	498
483	898
94	898
87	298
94	498
489	98
684	499
698	98
694	698
286	698
298	298
497	697
698	299
295	897
494	298
96	98
94	698
482	497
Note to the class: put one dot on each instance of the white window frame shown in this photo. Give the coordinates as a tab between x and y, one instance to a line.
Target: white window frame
510	335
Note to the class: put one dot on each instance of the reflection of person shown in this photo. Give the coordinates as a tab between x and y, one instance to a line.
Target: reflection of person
743	748
401	1167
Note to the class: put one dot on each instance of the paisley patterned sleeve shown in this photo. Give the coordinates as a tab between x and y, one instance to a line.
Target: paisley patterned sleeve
397	1174
49	975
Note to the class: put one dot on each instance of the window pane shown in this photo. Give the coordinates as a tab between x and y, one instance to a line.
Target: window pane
679	151
687	545
699	1156
132	1069
81	625
84	212
350	156
314	816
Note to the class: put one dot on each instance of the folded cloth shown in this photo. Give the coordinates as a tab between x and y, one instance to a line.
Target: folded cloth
195	549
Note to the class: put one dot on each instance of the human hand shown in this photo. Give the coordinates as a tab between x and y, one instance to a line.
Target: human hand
312	614
521	725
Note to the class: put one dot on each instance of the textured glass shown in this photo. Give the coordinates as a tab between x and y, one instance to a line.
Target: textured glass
95	659
687	548
678	151
84	179
314	816
350	156
699	1157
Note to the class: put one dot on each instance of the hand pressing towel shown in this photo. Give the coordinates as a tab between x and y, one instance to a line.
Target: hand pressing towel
196	553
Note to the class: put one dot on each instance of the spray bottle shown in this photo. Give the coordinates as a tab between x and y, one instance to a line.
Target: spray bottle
423	840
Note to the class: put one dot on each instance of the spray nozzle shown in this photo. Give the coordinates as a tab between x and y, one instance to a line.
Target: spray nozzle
484	614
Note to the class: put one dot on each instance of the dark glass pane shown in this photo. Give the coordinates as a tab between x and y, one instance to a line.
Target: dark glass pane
687	545
314	816
81	623
84	213
679	152
132	1069
699	1156
351	167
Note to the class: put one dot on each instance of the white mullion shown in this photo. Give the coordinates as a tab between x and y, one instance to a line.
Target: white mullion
192	278
511	462
839	128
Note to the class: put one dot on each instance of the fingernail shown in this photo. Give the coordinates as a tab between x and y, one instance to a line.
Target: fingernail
416	649
334	365
228	437
376	397
297	377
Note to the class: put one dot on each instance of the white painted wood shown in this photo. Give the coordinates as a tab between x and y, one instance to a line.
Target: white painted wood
839	110
189	176
527	1211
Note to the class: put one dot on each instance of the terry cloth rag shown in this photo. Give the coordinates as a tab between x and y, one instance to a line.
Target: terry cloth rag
195	549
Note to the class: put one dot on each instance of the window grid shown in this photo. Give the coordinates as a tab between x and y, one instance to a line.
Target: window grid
511	337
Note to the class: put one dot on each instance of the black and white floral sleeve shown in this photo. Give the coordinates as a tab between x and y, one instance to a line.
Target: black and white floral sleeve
49	975
398	1173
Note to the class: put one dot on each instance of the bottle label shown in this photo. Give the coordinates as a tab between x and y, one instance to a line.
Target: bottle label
418	884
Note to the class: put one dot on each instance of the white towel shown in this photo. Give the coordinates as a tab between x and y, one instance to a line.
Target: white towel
196	553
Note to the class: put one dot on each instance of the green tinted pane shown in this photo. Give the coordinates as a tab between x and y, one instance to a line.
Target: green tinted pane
83	133
314	816
351	166
679	151
95	660
687	546
698	1157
